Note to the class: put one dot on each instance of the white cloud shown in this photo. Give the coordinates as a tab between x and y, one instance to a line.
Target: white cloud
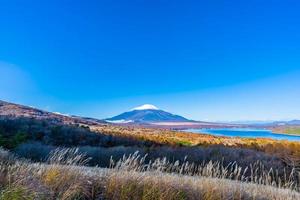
146	107
122	121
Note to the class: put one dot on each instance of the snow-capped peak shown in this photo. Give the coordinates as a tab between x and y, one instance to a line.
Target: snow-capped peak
146	107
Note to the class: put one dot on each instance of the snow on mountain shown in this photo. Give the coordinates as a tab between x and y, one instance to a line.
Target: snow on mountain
146	107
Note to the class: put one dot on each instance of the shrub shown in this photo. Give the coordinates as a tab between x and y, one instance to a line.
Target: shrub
101	156
34	151
16	192
14	132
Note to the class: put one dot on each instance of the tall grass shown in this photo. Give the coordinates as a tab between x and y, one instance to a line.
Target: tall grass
64	176
67	156
149	185
255	173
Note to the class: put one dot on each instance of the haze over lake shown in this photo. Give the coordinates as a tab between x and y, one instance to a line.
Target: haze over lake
246	133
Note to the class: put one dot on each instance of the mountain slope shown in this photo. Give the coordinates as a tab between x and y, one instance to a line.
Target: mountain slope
15	110
146	115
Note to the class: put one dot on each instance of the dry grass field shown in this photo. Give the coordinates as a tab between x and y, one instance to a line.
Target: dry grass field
65	177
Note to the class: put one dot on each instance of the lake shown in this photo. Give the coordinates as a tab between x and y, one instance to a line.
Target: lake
245	133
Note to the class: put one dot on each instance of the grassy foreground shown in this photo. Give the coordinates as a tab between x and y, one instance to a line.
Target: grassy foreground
64	177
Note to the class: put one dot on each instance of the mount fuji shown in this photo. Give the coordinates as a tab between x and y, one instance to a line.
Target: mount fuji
147	114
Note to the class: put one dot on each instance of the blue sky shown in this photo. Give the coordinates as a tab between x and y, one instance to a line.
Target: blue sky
207	60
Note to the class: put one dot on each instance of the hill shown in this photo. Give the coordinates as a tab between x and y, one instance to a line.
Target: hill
13	110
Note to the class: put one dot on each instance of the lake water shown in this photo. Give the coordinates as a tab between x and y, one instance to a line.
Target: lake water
245	133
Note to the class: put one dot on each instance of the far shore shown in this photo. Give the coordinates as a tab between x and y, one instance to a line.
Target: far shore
275	131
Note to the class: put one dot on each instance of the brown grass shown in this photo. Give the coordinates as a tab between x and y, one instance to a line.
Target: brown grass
131	178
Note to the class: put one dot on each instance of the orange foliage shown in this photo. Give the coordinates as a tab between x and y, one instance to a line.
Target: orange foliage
286	150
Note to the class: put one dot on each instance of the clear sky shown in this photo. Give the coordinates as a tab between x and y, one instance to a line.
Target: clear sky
206	60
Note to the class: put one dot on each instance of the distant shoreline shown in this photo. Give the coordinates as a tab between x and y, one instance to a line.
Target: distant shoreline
274	130
282	133
266	132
